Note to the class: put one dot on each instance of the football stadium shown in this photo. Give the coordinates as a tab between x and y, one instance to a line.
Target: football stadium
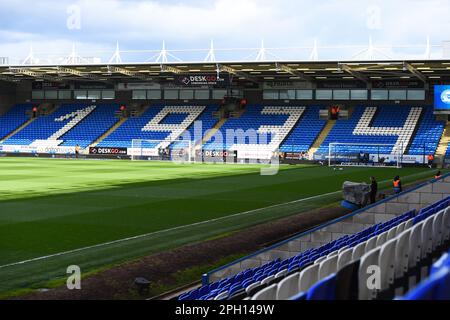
225	179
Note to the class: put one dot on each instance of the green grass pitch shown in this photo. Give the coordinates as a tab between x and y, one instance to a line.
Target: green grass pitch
54	206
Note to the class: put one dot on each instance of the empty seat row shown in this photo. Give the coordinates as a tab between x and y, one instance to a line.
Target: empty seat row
397	252
299	273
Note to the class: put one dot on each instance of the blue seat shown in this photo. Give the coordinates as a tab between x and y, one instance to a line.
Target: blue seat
435	288
324	289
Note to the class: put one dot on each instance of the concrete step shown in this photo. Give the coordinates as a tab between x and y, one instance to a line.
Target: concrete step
321	138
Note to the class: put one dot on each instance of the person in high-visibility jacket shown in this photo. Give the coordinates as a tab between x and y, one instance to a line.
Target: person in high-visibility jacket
430	160
397	183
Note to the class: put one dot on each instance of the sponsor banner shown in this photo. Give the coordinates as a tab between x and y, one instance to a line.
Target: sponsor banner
144	152
292	155
56	150
108	151
406	159
216	153
287	85
138	86
341	85
30	149
46	85
388	158
398	84
203	80
442	97
94	85
255	155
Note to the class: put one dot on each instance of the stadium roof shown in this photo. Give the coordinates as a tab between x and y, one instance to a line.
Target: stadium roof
258	71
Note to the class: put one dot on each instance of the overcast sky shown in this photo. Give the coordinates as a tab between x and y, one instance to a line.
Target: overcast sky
96	25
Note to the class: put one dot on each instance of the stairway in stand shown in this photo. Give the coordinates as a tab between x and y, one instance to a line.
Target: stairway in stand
321	138
443	144
26	124
107	133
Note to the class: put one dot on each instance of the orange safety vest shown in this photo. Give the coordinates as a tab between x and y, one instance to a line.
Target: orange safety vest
397	184
430	157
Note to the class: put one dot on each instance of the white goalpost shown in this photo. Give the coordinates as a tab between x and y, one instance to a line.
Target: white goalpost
365	155
177	151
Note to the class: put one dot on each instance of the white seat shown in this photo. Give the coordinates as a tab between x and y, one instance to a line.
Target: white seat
288	287
308	278
402	254
252	286
281	274
438	229
221	296
427	237
267	280
371	244
359	251
334	253
409	224
381	239
446	223
344	258
368	260
392	233
342	249
328	267
269	293
415	245
319	260
387	263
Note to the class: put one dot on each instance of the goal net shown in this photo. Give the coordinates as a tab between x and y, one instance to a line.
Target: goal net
365	155
176	151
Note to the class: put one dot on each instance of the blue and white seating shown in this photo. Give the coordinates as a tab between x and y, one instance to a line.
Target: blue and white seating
265	129
428	135
162	123
399	247
413	130
69	125
14	118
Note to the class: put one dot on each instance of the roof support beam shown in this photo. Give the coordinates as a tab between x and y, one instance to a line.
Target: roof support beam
354	73
293	72
166	68
33	74
64	70
126	72
230	70
415	72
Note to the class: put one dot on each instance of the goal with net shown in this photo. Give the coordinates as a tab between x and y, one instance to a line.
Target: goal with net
176	151
365	155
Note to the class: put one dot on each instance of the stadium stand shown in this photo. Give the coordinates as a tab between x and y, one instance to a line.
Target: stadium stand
428	134
305	132
13	119
293	128
412	128
158	122
402	248
69	125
